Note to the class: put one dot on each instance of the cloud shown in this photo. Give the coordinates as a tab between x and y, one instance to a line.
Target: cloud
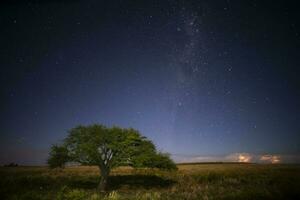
240	157
270	158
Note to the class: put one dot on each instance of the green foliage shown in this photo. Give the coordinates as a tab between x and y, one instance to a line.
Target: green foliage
108	148
154	160
112	147
58	156
163	161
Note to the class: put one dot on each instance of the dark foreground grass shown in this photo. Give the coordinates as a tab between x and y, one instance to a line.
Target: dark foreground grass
203	181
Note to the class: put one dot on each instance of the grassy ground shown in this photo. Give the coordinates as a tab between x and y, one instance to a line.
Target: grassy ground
201	181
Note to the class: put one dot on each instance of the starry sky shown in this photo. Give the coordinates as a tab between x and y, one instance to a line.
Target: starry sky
202	79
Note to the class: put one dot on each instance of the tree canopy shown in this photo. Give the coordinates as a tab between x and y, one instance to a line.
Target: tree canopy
108	148
58	156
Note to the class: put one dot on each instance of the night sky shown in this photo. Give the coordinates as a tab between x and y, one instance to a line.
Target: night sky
204	80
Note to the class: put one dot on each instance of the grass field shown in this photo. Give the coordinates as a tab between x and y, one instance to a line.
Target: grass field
197	181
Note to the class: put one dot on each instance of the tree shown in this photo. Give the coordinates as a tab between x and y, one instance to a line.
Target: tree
112	147
58	156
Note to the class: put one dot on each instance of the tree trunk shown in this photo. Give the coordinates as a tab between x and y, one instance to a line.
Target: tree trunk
103	181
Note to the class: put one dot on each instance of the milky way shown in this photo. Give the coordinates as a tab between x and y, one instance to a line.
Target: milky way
204	80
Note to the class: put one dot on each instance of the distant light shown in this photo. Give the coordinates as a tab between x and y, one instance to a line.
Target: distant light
244	158
270	158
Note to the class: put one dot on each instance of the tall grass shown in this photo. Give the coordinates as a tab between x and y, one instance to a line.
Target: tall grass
205	181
